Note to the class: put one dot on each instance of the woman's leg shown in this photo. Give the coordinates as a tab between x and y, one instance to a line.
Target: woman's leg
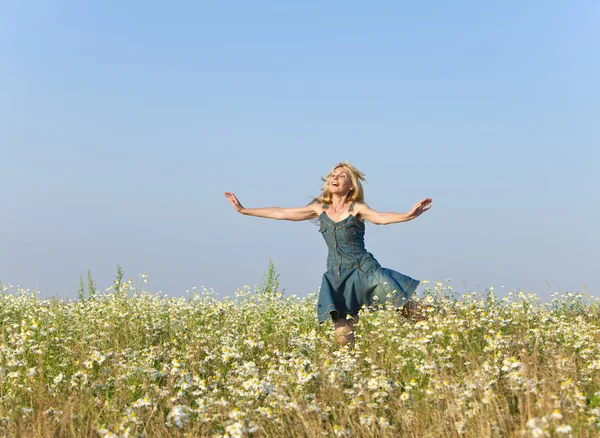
344	330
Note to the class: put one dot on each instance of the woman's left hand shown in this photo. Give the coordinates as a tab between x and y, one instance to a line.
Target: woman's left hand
419	208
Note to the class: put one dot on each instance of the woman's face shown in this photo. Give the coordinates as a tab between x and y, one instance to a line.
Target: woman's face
340	182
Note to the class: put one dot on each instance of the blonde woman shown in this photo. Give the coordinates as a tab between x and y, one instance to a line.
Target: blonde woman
353	278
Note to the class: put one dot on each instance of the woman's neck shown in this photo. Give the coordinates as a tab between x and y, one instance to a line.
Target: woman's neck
339	201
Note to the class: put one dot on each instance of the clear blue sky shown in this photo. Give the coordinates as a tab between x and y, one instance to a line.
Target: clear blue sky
122	124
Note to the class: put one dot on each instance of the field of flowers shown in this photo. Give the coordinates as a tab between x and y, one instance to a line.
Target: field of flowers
132	363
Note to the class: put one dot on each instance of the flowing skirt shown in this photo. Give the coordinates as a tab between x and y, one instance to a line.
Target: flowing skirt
344	291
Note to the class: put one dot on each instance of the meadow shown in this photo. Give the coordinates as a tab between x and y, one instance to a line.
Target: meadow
131	363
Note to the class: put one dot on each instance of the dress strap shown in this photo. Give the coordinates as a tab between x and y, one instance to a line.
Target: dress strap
351	209
325	206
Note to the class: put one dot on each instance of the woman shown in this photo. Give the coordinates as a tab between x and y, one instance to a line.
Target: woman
353	278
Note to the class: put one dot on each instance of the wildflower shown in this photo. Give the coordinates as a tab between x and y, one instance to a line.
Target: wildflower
383	422
372	383
510	364
58	379
105	433
340	432
538	427
98	357
235	430
179	416
566	384
563	429
267	412
142	402
236	414
556	415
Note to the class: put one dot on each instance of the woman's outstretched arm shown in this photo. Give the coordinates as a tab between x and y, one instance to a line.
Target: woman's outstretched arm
291	214
379	218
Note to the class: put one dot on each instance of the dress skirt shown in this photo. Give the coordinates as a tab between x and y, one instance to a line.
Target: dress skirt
345	291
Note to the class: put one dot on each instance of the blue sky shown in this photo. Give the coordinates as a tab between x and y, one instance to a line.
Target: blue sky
122	124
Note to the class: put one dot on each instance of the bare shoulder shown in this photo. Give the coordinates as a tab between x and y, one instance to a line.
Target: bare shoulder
364	212
317	207
361	207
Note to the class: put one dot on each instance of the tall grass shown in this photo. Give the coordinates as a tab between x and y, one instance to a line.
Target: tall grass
133	363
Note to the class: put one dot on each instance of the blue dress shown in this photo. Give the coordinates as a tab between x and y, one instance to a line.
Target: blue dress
354	278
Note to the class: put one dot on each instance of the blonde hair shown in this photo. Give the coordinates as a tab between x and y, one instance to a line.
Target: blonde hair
356	176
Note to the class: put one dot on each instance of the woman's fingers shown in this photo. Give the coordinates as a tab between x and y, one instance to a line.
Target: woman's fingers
231	198
422	206
425	202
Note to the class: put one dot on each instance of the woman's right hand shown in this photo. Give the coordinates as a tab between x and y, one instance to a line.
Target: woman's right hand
233	200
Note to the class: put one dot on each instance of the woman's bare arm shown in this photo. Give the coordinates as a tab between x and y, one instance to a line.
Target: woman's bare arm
379	218
291	214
